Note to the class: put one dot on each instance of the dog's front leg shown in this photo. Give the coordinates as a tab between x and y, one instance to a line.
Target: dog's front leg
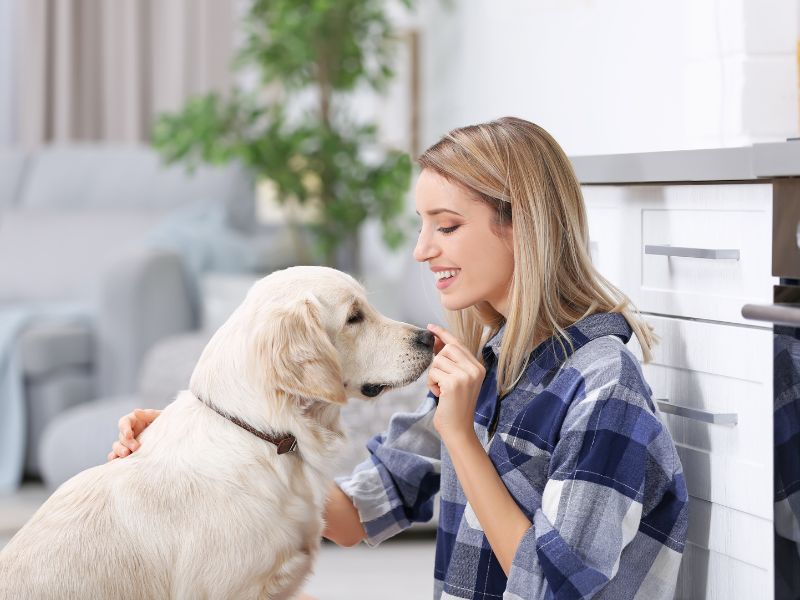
285	583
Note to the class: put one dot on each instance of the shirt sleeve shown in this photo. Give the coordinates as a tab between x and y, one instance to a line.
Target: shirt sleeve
396	485
613	462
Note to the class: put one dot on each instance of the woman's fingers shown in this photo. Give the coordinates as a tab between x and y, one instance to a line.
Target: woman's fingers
446	364
129	443
146	415
130	426
451	346
143	418
443	334
119	450
125	428
433	381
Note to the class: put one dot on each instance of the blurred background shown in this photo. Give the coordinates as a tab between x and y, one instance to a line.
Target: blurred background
156	158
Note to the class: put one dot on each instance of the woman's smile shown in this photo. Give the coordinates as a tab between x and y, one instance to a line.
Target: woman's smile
445	279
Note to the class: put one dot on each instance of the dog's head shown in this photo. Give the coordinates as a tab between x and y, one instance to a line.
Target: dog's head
313	334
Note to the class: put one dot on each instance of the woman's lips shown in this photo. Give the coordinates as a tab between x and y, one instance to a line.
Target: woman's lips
444	283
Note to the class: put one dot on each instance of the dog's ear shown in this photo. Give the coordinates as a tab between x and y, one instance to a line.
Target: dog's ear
297	355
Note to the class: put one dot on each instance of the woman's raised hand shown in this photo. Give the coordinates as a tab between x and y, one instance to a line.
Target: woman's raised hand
130	426
455	377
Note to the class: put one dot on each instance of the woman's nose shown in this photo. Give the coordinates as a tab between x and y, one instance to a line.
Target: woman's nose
424	250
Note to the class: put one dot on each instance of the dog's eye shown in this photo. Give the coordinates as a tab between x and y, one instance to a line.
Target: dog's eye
356	317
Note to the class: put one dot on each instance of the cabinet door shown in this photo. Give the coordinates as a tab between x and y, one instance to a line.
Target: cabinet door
705	372
698	251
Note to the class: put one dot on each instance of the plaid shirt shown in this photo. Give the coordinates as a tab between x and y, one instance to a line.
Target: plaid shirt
579	446
786	431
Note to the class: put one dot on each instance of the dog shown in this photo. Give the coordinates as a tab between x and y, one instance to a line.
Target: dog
225	497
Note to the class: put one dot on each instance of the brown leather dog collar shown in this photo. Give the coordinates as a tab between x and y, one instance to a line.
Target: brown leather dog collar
285	443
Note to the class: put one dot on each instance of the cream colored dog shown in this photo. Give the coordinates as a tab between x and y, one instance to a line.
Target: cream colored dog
206	509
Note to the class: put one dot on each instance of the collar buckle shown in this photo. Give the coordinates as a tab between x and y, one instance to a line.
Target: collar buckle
287	444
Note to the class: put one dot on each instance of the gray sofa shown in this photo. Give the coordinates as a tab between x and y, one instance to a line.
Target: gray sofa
109	229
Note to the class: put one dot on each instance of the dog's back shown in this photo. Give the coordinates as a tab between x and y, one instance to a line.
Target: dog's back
70	549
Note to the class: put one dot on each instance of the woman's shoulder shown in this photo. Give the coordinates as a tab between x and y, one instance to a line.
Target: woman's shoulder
605	363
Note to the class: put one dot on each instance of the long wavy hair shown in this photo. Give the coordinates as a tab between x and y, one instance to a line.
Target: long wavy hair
519	170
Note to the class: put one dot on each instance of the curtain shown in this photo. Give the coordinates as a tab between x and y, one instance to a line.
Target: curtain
103	69
7	72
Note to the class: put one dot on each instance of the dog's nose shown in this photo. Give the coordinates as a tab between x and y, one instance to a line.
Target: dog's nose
425	339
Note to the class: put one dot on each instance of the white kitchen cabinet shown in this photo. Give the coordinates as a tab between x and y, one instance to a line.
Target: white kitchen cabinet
711	364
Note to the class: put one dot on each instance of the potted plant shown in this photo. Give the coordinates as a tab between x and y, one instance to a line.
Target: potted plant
315	156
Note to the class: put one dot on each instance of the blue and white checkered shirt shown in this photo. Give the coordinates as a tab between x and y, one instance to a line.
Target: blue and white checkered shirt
581	449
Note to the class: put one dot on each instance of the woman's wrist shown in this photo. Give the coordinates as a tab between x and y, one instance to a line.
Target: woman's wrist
459	438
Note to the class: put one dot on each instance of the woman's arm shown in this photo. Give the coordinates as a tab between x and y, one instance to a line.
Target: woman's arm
342	524
501	519
456	377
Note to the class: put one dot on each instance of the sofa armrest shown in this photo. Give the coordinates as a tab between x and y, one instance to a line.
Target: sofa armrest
147	296
47	346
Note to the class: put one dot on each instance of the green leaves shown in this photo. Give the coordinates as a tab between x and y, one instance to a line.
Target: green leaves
336	44
331	46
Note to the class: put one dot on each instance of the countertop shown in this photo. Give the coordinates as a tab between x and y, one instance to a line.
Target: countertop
759	161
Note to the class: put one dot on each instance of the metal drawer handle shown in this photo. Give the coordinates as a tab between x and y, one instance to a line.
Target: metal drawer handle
779	314
716	254
697	414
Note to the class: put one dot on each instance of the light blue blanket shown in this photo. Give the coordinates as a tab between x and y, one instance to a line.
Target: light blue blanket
13	426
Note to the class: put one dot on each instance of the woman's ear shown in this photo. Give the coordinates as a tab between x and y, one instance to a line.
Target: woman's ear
296	354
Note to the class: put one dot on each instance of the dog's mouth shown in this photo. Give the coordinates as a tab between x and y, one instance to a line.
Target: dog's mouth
371	390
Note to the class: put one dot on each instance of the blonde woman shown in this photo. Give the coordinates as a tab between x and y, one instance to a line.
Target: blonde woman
556	478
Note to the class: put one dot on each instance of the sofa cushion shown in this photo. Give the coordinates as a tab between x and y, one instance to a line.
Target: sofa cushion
81	437
168	366
59	256
46	399
49	346
131	177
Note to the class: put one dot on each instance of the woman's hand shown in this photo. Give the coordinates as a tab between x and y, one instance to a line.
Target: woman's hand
455	377
130	426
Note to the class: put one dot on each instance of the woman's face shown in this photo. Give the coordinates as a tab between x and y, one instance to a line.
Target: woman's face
458	236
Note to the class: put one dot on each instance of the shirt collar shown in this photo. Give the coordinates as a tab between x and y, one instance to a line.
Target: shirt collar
549	352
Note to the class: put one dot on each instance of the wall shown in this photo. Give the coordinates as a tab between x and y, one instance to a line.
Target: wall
608	76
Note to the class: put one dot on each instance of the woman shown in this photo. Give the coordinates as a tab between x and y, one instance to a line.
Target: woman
556	477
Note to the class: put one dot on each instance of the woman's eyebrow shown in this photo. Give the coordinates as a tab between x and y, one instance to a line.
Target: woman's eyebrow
436	211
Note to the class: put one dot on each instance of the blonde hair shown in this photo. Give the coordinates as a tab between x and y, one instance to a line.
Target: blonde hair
519	169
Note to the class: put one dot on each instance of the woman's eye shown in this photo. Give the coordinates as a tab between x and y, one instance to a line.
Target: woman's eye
449	229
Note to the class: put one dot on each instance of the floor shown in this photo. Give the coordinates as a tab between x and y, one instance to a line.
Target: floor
399	569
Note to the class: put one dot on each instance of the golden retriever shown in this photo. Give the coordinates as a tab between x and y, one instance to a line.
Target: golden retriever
206	509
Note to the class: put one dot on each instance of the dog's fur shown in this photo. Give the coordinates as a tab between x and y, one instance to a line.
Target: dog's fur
205	509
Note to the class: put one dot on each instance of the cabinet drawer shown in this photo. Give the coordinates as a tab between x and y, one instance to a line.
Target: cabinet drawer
741	536
708	575
718	370
728	554
699	251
